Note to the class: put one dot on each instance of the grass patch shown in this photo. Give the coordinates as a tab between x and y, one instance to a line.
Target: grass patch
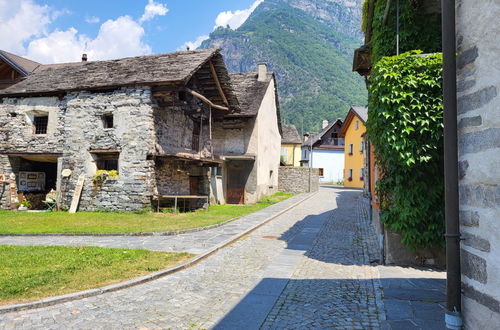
33	272
117	222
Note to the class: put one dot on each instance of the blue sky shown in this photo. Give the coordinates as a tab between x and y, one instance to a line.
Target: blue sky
51	31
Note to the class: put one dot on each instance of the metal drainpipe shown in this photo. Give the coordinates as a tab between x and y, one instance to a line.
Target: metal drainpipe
453	317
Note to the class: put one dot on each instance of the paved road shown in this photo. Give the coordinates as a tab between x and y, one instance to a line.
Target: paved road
308	268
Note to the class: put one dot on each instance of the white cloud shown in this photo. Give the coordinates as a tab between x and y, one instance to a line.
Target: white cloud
152	10
235	18
232	18
92	20
24	30
193	44
116	38
20	21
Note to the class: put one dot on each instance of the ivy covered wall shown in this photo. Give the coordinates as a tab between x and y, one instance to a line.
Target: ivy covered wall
405	126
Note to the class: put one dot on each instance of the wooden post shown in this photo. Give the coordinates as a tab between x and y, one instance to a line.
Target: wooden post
78	192
13	192
201	134
210	131
58	183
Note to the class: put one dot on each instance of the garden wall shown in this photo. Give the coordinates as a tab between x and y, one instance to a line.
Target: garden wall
295	180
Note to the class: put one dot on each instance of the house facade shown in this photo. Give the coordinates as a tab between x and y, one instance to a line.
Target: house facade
291	144
161	122
353	130
325	151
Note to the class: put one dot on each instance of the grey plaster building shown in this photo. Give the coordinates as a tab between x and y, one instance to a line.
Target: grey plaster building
169	124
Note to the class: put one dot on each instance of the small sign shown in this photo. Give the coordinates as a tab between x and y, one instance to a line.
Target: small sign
31	181
66	172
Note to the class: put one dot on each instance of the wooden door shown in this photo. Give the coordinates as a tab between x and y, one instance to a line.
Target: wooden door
236	185
194	185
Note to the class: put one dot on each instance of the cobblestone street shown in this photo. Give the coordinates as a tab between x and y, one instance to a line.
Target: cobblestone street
308	268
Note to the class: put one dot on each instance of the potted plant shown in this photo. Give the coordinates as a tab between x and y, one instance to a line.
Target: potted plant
24	205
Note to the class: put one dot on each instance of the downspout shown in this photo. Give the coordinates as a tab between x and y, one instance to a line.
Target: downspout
453	317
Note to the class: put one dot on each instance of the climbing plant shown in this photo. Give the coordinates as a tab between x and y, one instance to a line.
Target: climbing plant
419	26
405	126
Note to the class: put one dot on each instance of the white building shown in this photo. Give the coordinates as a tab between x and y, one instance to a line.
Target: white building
327	152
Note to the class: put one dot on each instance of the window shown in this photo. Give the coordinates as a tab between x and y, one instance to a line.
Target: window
349	178
351	149
356	124
107	120
107	161
362	146
40	124
362	174
321	172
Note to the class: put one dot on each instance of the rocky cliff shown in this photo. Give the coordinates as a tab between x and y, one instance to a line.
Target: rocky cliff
309	45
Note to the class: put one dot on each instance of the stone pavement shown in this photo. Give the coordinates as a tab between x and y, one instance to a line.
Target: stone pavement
308	268
196	243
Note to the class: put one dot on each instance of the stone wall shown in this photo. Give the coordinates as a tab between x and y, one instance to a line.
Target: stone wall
295	180
479	155
75	129
132	134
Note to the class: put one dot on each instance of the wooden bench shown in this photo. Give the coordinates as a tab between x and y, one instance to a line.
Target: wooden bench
158	198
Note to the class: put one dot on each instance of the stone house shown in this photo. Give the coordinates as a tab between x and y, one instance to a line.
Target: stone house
170	124
478	85
325	151
290	146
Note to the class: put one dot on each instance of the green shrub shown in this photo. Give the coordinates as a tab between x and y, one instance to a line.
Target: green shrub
405	126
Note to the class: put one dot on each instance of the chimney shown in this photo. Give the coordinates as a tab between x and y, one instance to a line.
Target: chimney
262	72
84	57
325	123
306	137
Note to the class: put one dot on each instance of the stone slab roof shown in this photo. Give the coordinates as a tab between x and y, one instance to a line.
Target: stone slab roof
20	64
161	69
290	135
249	91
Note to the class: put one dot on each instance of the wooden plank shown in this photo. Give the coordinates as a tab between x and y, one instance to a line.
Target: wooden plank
217	83
77	194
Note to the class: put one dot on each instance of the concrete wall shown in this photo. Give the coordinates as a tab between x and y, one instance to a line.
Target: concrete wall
291	154
332	163
295	180
479	155
268	145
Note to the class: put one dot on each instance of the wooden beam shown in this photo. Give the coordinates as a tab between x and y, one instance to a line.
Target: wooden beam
205	100
217	83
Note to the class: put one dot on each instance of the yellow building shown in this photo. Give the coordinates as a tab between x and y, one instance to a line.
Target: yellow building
352	131
290	146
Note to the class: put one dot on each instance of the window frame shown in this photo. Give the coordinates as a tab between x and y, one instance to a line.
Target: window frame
105	121
104	159
36	129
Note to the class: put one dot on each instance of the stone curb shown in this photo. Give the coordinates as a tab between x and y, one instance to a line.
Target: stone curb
161	233
143	279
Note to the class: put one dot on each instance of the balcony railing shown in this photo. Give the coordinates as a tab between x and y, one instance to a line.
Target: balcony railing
339	142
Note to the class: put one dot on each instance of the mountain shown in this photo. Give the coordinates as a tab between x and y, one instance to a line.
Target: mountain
309	45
